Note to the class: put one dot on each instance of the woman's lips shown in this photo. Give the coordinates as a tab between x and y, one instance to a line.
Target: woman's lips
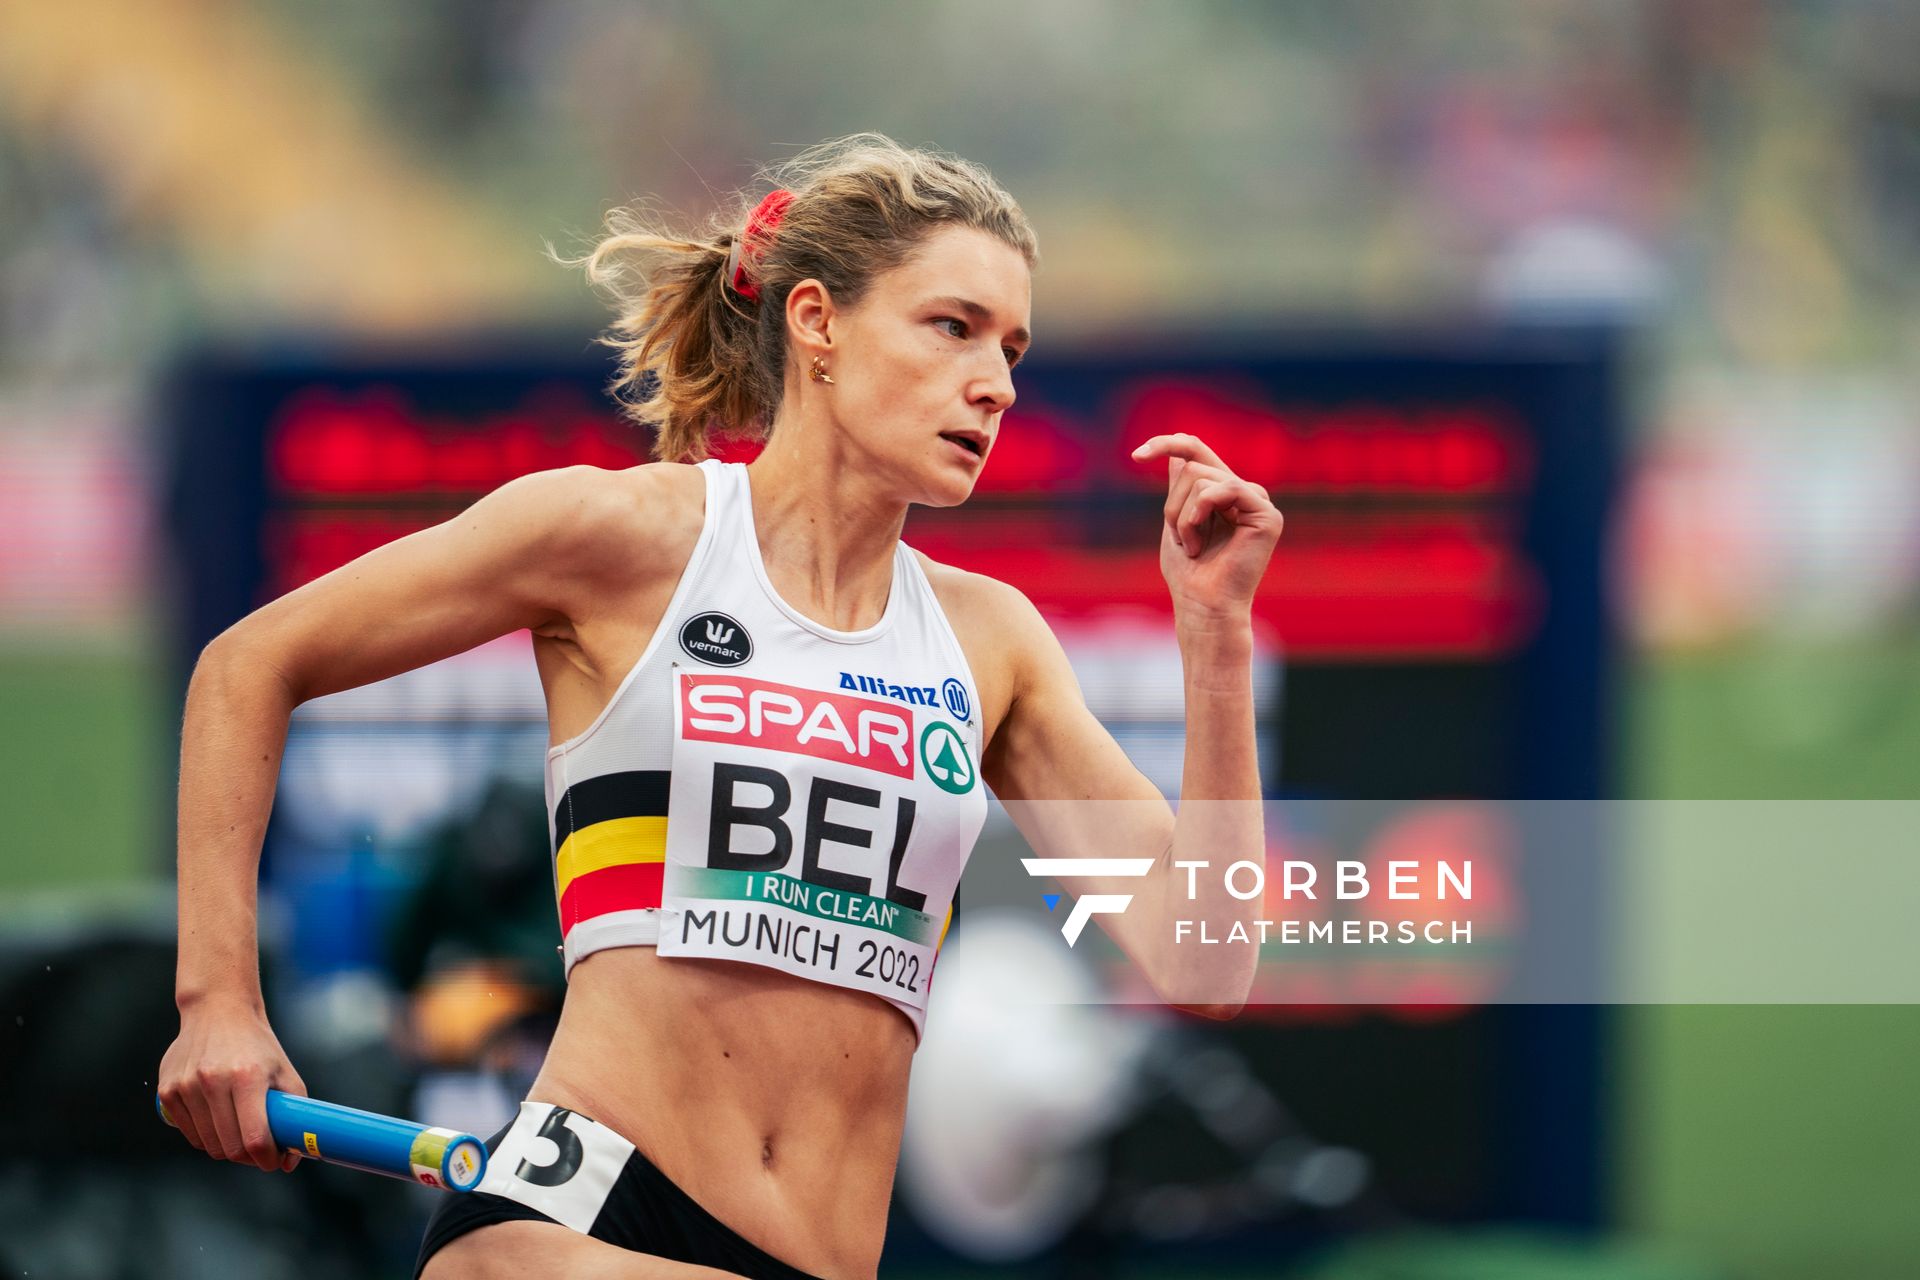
961	449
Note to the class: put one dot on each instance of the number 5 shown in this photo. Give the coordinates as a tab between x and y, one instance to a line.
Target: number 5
566	1165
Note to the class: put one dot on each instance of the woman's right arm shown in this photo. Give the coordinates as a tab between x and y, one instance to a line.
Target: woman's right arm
531	554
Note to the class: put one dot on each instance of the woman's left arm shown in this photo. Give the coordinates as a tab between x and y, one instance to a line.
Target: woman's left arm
1074	794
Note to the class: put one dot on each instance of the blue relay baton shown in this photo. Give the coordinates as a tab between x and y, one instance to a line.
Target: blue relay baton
359	1139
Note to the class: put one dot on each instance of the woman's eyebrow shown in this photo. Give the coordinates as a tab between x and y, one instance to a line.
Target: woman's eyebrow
979	313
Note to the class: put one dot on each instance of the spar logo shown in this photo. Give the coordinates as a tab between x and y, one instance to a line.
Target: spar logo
944	752
1087	905
805	722
716	638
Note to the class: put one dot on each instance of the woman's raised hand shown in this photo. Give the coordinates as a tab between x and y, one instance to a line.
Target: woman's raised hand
1218	532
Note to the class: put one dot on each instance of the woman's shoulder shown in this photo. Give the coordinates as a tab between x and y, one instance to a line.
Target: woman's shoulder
1007	640
593	495
956	589
990	618
672	491
975	595
648	514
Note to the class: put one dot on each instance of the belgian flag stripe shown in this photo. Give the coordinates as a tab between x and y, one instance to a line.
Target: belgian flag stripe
609	844
635	793
626	887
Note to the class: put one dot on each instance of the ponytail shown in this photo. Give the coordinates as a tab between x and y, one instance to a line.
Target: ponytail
696	356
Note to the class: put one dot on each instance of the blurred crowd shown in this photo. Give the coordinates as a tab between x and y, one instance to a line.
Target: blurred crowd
1738	182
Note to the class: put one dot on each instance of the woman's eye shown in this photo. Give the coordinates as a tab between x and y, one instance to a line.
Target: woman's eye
1013	356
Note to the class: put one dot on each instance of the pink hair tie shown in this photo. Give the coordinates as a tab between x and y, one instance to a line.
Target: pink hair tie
761	224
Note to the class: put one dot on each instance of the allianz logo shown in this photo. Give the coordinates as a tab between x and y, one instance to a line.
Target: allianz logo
923	695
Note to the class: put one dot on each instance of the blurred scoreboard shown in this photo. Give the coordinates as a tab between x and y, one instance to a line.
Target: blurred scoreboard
1440	566
1433	626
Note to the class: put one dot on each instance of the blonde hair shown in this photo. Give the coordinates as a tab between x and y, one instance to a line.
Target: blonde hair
694	355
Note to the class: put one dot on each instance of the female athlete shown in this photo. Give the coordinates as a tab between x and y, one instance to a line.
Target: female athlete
771	721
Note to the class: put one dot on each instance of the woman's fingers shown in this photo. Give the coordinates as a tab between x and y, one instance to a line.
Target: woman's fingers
289	1081
215	1079
250	1113
180	1109
1178	445
1200	486
1190	527
1227	498
226	1124
1182	476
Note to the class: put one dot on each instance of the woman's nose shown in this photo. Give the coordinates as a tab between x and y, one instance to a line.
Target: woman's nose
998	390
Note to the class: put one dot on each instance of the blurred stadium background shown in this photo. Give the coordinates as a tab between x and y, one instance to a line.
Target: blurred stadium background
251	248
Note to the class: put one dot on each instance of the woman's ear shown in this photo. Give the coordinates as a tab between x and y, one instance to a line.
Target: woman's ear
810	314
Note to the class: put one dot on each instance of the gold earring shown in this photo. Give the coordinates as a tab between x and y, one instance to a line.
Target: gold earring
819	371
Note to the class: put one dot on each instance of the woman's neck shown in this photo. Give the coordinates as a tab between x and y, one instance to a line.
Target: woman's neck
826	531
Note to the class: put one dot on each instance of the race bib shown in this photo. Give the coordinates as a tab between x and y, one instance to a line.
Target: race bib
799	833
558	1162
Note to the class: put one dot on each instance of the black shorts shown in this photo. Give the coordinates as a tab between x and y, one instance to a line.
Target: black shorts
555	1165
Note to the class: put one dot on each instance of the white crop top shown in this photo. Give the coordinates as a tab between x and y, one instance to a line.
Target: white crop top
765	789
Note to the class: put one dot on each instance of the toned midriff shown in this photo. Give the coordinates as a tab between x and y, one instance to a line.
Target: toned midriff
774	1101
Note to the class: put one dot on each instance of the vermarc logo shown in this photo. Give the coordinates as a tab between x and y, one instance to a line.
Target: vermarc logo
1089	905
716	638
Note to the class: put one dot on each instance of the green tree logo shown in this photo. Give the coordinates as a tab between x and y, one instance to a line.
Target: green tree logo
944	753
